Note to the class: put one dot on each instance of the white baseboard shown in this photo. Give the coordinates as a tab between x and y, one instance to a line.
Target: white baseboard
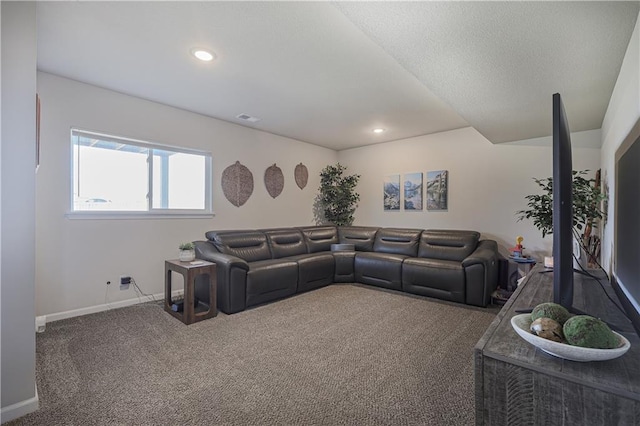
20	409
40	323
106	306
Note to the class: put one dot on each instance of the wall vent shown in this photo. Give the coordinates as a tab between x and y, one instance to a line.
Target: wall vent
247	117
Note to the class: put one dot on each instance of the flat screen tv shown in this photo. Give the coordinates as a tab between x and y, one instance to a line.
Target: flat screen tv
562	190
626	264
562	187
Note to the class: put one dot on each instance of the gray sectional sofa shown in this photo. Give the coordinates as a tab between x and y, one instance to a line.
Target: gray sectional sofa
259	266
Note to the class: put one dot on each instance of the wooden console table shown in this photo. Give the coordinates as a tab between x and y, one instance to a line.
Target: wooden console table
190	272
518	384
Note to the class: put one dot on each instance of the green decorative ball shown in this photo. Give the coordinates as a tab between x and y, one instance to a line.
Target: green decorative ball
550	310
589	332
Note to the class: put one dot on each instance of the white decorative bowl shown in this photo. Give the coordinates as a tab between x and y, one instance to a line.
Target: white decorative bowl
522	323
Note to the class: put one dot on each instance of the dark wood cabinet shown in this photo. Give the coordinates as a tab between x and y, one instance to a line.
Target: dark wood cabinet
518	384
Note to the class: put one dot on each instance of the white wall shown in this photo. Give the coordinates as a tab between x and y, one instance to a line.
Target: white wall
18	209
622	114
76	257
487	182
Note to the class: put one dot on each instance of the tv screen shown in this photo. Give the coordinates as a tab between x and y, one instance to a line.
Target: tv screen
562	188
626	280
626	273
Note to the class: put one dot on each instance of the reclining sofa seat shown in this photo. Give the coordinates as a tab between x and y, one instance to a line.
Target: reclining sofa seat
246	269
382	266
437	271
258	266
315	268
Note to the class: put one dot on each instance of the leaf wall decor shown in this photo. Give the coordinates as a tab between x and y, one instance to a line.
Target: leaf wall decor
301	175
274	180
237	184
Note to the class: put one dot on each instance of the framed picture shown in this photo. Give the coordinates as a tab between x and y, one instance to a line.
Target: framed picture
413	191
437	190
391	192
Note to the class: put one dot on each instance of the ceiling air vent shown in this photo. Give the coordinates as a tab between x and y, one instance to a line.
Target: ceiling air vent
247	117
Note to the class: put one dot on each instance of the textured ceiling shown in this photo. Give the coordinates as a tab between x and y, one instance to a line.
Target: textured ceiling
498	63
328	73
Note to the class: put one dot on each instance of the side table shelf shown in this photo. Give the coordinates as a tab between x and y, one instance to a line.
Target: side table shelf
191	272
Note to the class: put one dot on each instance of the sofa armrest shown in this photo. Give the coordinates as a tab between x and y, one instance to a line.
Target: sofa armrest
206	251
485	253
481	272
231	274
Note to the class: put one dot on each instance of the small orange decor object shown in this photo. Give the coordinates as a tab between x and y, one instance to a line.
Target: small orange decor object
516	251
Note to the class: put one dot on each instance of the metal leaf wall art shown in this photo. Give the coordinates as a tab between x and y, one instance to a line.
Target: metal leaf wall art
301	175
237	184
274	180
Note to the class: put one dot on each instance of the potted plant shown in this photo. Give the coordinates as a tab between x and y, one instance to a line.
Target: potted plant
587	210
187	252
338	197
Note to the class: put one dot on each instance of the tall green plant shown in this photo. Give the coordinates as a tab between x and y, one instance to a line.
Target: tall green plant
587	198
338	196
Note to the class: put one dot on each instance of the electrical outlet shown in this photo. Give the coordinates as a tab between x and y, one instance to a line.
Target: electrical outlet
125	280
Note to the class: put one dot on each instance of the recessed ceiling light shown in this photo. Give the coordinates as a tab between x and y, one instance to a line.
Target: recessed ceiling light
378	130
203	55
247	117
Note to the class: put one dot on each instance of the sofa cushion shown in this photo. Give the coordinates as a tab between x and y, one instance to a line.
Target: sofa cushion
251	246
447	245
444	279
362	237
270	280
344	266
379	269
320	238
397	241
315	270
285	242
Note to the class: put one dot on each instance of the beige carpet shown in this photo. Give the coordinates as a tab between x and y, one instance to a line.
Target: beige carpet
341	355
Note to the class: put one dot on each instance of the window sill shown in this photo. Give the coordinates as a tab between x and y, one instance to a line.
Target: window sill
138	215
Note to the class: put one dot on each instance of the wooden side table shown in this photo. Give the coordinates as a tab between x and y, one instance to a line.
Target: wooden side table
191	271
525	264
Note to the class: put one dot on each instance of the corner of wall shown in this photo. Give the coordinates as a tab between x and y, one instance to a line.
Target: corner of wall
20	409
18	76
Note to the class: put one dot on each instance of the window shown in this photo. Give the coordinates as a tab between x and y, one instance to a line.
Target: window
114	175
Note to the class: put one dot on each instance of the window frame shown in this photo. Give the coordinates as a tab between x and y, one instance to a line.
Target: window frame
151	212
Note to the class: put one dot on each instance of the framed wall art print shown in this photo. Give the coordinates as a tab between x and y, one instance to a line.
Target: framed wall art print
437	190
391	192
